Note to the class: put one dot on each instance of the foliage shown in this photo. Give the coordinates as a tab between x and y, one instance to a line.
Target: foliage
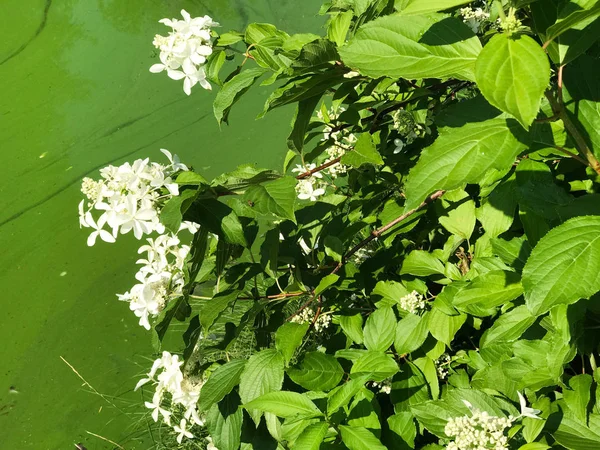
436	250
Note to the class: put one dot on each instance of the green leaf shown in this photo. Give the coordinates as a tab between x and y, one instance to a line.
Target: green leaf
285	404
409	387
338	27
214	307
342	395
457	213
224	423
411	332
575	435
256	32
359	438
376	364
493	288
220	383
578	397
380	329
444	327
219	219
263	374
574	12
232	90
422	263
423	46
277	197
326	283
534	446
172	212
334	248
402	424
564	266
364	153
411	7
317	372
463	155
509	326
353	327
289	337
390	291
512	73
226	39
189	178
304	112
311	437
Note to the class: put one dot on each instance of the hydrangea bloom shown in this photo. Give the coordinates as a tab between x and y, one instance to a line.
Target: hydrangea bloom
312	187
413	302
129	198
161	277
184	50
174	395
474	17
479	431
342	141
308	315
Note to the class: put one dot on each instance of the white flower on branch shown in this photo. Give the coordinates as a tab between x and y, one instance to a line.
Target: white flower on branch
413	302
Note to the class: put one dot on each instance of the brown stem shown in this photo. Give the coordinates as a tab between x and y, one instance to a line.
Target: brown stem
560	86
377	233
318	169
582	146
572	155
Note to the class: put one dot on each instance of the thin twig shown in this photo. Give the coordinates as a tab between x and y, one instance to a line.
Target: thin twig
105	439
572	155
318	169
560	86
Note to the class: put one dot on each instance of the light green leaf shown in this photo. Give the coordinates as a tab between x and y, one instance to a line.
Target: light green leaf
463	155
285	404
410	7
334	248
232	90
364	152
509	326
376	364
534	446
173	210
220	383
512	73
263	374
575	435
564	266
444	327
342	395
423	46
317	372
422	263
457	213
409	387
224	423
189	178
304	113
493	288
411	332
574	12
380	329
578	397
390	291
289	337
214	307
311	437
326	283
353	327
338	27
402	424
359	438
277	197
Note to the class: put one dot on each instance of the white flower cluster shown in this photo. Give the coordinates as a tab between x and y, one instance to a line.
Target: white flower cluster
308	315
342	141
129	197
184	51
405	124
442	364
174	395
311	187
413	302
161	277
480	431
474	17
385	387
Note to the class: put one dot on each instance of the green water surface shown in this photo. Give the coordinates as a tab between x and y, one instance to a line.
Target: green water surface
76	95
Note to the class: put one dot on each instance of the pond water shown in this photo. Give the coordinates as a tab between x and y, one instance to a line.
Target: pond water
76	95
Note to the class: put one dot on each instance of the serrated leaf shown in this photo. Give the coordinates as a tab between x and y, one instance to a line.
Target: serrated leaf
409	387
564	266
220	383
263	374
492	289
353	327
575	435
364	152
422	263
342	395
232	90
509	326
224	423
360	438
578	396
326	283
411	332
277	197
172	212
444	327
457	213
311	437
376	364
304	112
289	337
574	12
512	73
285	404
214	307
463	155
380	329
317	372
422	46
402	424
338	27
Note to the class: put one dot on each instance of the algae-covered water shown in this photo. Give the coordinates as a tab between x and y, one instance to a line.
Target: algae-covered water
76	95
